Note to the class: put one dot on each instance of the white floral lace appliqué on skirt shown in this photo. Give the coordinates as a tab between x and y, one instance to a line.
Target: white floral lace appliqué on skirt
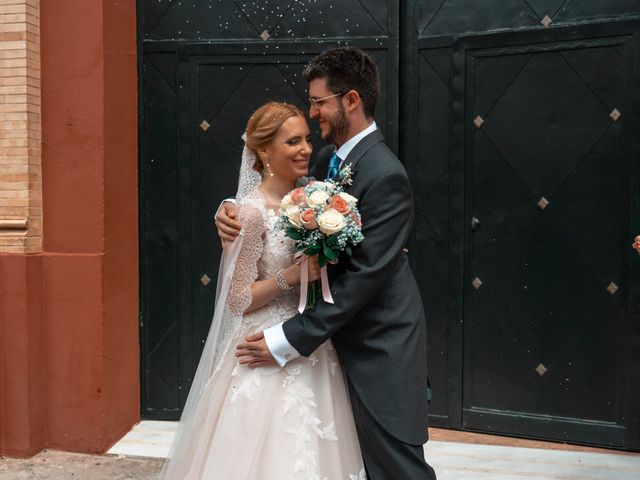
291	423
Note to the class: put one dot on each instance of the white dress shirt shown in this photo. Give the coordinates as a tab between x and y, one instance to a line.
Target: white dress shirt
349	145
230	200
281	350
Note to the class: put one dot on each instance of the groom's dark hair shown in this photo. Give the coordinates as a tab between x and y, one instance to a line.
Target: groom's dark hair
348	68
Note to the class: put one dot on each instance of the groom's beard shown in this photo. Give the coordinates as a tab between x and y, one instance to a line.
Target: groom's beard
339	128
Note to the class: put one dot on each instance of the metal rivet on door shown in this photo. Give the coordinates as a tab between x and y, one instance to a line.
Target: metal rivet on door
541	369
615	115
543	203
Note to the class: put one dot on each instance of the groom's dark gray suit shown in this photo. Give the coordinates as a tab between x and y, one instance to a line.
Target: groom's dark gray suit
377	323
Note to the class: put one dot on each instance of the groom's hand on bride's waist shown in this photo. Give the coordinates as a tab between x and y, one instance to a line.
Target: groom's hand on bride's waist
254	352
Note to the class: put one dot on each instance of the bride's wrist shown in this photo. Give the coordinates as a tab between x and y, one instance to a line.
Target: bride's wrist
284	280
292	275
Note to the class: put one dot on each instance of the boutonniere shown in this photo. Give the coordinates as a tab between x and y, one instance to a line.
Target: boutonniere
345	176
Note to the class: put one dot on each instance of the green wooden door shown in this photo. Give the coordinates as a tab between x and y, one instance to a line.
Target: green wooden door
548	345
545	88
548	125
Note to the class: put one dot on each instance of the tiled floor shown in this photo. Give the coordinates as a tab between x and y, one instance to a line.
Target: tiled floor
463	461
147	439
451	460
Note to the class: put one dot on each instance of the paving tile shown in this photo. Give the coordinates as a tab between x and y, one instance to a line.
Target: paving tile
462	461
451	460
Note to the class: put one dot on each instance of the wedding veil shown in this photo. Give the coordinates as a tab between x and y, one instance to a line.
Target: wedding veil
220	332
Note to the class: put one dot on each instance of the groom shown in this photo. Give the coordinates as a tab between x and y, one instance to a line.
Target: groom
377	322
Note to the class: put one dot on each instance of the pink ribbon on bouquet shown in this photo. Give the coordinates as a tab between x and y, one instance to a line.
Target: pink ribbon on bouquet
304	282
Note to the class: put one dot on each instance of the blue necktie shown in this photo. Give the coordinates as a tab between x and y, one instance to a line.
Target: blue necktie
334	165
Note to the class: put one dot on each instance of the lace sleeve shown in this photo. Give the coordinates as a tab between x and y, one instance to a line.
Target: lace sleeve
246	270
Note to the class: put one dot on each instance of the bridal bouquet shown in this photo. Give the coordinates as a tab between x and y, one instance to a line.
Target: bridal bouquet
323	220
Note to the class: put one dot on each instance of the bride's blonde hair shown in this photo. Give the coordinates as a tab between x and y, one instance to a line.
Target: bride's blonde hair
264	124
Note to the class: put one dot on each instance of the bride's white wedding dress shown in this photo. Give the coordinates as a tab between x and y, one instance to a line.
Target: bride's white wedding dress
266	423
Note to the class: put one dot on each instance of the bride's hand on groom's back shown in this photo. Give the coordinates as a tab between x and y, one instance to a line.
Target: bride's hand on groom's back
226	223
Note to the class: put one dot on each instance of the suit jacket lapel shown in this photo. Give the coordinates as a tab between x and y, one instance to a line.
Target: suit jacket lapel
363	147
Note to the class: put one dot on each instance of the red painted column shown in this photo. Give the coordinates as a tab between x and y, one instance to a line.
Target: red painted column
73	203
69	358
120	273
90	208
22	392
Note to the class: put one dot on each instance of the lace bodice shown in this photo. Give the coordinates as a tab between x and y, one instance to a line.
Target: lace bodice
264	251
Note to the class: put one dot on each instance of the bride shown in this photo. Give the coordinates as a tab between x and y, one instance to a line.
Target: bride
243	423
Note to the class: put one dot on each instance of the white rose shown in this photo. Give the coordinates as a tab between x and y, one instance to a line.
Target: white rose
351	200
331	221
285	203
293	214
318	198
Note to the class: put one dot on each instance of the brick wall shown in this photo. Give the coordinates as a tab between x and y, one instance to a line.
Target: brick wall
20	128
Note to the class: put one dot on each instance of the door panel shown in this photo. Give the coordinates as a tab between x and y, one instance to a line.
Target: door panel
242	84
159	286
430	172
548	197
451	18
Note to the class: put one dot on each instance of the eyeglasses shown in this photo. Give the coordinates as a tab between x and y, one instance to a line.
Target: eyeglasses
318	102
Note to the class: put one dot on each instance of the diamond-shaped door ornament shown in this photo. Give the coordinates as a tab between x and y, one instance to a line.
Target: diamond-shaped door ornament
204	125
541	369
615	115
543	203
612	288
477	283
546	21
205	280
478	121
265	35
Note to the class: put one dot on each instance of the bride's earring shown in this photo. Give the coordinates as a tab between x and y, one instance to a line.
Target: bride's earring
265	162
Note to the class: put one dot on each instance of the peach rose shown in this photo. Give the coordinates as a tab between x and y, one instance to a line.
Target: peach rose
351	200
308	219
338	203
298	196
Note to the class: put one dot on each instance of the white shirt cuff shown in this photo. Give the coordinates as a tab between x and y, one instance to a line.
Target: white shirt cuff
232	200
278	345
